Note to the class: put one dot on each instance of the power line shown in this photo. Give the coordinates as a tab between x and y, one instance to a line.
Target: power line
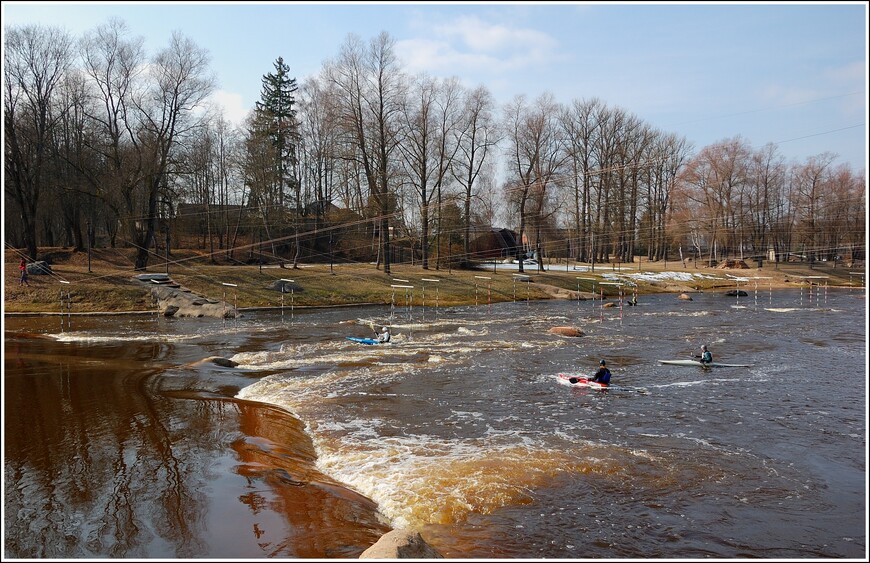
819	134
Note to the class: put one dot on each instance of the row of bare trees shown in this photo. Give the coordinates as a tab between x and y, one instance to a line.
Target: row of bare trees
733	200
103	142
95	124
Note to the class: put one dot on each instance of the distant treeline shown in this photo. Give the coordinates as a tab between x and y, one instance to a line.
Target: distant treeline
106	145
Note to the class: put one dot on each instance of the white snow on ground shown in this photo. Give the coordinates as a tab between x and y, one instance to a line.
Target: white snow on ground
641	276
664	276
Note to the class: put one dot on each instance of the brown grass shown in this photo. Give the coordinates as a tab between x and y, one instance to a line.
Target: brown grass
109	285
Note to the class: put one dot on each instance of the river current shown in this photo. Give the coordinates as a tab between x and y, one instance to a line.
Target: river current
118	443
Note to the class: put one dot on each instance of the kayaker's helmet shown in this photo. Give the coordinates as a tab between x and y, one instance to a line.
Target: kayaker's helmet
704	347
386	329
602	363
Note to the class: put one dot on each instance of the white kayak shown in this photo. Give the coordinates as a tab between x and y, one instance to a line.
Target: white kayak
702	365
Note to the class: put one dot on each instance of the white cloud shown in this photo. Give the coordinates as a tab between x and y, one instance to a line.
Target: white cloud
469	44
439	57
484	37
231	105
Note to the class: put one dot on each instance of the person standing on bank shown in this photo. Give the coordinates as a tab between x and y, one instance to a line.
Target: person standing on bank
23	267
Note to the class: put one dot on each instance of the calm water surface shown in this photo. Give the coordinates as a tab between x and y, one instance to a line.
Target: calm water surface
118	444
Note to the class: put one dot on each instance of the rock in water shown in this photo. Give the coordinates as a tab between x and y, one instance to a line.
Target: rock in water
401	544
566	331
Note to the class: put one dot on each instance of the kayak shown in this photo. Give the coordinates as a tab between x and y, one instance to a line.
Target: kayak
575	381
362	340
702	365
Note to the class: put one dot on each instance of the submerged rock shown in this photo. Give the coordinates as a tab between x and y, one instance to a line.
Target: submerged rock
736	293
566	331
216	360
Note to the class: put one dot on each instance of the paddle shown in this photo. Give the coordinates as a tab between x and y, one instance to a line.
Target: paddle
576	379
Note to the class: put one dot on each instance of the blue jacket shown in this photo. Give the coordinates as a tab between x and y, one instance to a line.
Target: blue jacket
602	375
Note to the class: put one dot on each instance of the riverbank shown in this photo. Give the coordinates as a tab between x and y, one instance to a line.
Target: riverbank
105	282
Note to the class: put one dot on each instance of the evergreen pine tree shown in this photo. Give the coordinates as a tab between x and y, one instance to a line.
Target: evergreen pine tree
276	107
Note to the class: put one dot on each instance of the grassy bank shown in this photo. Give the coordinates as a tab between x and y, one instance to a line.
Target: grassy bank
109	286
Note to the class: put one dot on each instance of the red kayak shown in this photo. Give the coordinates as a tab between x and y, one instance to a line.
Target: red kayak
575	381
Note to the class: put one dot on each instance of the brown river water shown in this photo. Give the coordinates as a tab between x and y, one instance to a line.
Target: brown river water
117	444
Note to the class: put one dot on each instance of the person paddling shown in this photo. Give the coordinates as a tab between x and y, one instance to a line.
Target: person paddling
603	374
384	337
706	356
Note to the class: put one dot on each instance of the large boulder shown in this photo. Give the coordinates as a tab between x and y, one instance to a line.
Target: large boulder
39	268
401	544
685	297
178	302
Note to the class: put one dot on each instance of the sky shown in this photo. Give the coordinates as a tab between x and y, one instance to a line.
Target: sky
792	74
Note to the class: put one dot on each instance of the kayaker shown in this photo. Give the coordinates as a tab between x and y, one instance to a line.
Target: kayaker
706	356
603	374
384	337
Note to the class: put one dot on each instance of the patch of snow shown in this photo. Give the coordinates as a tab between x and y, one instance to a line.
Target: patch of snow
665	276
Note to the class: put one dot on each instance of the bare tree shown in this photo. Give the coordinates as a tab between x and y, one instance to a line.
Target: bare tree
70	189
418	148
476	143
370	88
228	147
321	143
635	157
180	82
812	192
429	129
580	127
113	62
716	178
144	111
671	155
537	155
320	156
766	177
36	60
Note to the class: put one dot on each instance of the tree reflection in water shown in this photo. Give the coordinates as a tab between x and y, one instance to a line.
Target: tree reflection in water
108	456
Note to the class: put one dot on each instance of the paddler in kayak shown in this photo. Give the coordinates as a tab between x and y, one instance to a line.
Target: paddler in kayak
384	337
706	356
603	374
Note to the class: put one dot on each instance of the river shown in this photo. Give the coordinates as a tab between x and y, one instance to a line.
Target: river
118	443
